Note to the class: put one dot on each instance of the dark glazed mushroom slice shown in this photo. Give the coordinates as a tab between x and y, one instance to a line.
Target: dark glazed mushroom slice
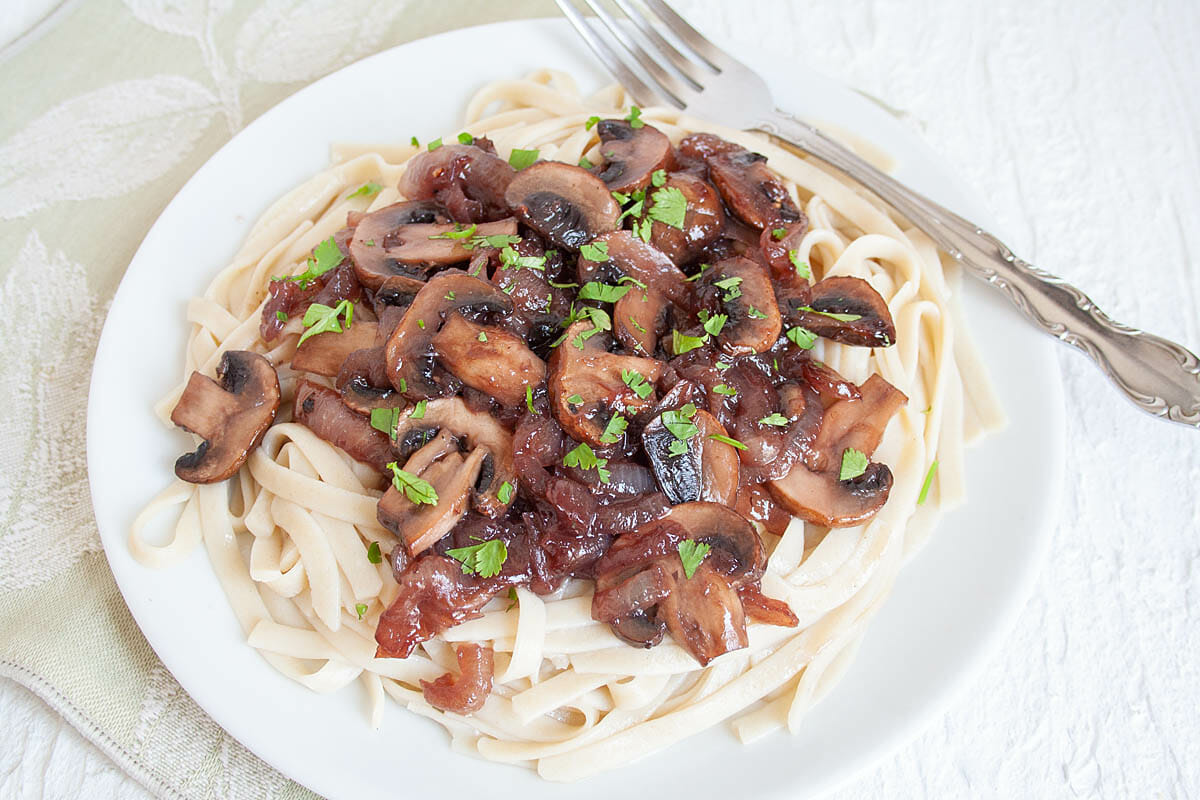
325	353
408	249
451	475
751	190
411	362
231	415
633	154
321	410
850	311
587	387
372	264
489	359
566	204
706	470
363	382
744	293
468	180
629	256
479	430
704	614
639	319
702	222
814	491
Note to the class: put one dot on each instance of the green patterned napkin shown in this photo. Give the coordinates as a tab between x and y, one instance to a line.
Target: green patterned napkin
106	115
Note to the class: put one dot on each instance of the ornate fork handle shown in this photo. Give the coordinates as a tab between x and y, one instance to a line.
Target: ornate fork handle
1160	376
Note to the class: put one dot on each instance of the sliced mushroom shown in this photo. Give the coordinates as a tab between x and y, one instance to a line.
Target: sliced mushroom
325	353
850	311
814	490
407	249
751	190
394	295
706	470
566	204
703	221
467	691
753	323
586	386
489	359
231	415
364	384
420	525
736	549
633	154
628	604
368	245
704	614
639	319
321	410
468	180
630	256
411	362
480	431
776	245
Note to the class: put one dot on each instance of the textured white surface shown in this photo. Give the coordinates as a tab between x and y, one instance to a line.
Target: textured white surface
1076	124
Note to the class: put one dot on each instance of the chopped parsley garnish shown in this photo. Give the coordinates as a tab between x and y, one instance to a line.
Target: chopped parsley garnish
592	121
373	554
703	269
670	207
529	399
512	598
575	399
677	448
731	442
725	389
482	336
583	162
325	257
614	430
637	325
584	457
505	493
754	313
520	159
496	240
723	365
361	608
802	337
435	144
510	259
779	233
854	463
643	229
715	323
678	423
802	267
927	484
484	559
459	232
637	383
562	285
386	420
691	553
418	411
368	189
320	318
418	490
466	138
832	315
421	324
595	251
413	141
683	343
603	292
777	420
282	317
635	118
658	177
403	386
732	287
450	295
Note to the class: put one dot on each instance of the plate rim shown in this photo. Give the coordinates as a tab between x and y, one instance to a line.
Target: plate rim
858	762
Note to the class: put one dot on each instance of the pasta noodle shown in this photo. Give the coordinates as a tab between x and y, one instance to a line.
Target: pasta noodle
289	536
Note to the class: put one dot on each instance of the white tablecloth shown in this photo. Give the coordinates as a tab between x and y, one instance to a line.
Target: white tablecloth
1077	123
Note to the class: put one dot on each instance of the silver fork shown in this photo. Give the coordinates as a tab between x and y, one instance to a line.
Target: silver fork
1159	376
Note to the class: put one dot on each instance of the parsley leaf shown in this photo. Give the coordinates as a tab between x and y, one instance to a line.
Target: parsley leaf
520	159
595	251
386	420
466	138
368	189
754	313
512	598
361	608
325	257
832	314
529	399
726	390
927	484
510	259
614	430
482	336
635	118
505	493
496	240
583	162
484	559
592	121
731	442
703	269
677	448
282	317
854	463
802	337
731	287
414	142
778	420
418	411
416	489
683	343
637	325
320	318
459	232
637	383
802	268
403	386
715	323
373	554
575	399
779	233
670	207
644	229
658	177
435	144
584	457
723	365
605	293
691	553
679	422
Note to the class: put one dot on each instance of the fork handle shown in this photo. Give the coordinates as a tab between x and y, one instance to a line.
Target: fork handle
1159	376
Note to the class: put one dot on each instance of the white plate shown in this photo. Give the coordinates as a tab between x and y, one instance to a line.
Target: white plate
950	610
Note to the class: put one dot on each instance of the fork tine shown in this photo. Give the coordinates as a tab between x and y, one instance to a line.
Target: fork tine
625	76
690	69
676	90
715	57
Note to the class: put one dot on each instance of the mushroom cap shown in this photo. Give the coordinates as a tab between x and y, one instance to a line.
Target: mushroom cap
452	477
467	179
703	221
324	353
632	154
411	362
368	245
639	318
489	359
363	382
230	416
853	296
745	332
707	471
407	249
751	190
566	204
630	256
